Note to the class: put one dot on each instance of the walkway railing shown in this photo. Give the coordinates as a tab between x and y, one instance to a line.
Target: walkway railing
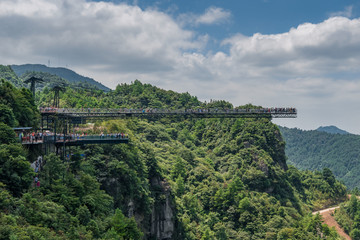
213	112
73	138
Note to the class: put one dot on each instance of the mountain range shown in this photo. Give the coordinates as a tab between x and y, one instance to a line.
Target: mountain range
64	73
318	149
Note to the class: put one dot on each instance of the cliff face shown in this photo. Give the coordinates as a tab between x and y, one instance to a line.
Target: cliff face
174	173
163	219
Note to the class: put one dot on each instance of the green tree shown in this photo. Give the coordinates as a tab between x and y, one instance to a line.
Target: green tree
7	116
124	227
7	134
328	176
178	168
355	234
180	186
84	215
15	170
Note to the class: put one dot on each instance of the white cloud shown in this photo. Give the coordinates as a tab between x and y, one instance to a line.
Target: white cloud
313	66
332	46
212	15
347	12
117	37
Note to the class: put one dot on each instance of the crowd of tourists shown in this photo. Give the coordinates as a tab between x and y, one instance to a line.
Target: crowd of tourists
32	137
37	165
48	109
40	137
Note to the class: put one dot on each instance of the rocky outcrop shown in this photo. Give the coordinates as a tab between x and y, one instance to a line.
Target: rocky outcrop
162	225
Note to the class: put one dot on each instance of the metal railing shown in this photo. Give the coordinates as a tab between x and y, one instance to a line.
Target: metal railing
200	112
73	138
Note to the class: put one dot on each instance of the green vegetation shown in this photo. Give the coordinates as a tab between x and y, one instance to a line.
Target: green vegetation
7	73
331	129
176	179
63	73
17	107
314	150
348	217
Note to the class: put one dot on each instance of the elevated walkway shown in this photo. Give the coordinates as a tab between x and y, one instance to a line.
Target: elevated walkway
74	141
71	113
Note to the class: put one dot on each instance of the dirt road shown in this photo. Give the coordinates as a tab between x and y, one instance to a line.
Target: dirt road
330	221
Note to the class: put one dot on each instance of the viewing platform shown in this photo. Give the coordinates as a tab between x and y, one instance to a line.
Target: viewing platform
89	113
77	141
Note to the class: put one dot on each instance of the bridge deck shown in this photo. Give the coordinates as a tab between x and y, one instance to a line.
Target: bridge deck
79	141
160	113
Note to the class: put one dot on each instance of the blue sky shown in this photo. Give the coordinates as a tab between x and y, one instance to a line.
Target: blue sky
285	53
252	16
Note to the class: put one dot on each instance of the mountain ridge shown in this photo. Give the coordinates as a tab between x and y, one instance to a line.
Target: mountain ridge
332	129
62	72
314	150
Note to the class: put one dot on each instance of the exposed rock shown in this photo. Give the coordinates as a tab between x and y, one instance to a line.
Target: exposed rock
162	216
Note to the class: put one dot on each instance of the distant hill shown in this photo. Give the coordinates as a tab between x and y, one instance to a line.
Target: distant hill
332	129
64	73
315	150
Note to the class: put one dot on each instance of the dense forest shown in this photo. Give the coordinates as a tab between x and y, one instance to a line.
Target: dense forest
176	179
316	150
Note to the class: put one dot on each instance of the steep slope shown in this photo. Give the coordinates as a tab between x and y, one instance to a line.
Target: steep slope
348	216
65	73
178	178
7	73
329	219
316	150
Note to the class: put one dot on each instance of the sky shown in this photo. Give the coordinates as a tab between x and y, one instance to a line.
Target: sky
273	53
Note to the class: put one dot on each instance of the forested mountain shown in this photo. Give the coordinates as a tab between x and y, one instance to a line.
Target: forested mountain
64	73
316	150
177	178
331	129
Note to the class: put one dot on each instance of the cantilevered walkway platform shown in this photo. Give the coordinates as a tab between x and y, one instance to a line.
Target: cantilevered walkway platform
90	139
91	113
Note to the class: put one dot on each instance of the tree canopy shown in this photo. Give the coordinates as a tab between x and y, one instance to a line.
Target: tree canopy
177	178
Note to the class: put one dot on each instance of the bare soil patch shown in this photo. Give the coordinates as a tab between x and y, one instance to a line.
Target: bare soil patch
331	222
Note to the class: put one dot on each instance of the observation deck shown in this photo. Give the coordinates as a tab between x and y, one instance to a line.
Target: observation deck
93	113
77	141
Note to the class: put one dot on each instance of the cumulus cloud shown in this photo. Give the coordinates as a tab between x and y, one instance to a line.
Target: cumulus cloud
313	66
332	45
97	34
212	15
